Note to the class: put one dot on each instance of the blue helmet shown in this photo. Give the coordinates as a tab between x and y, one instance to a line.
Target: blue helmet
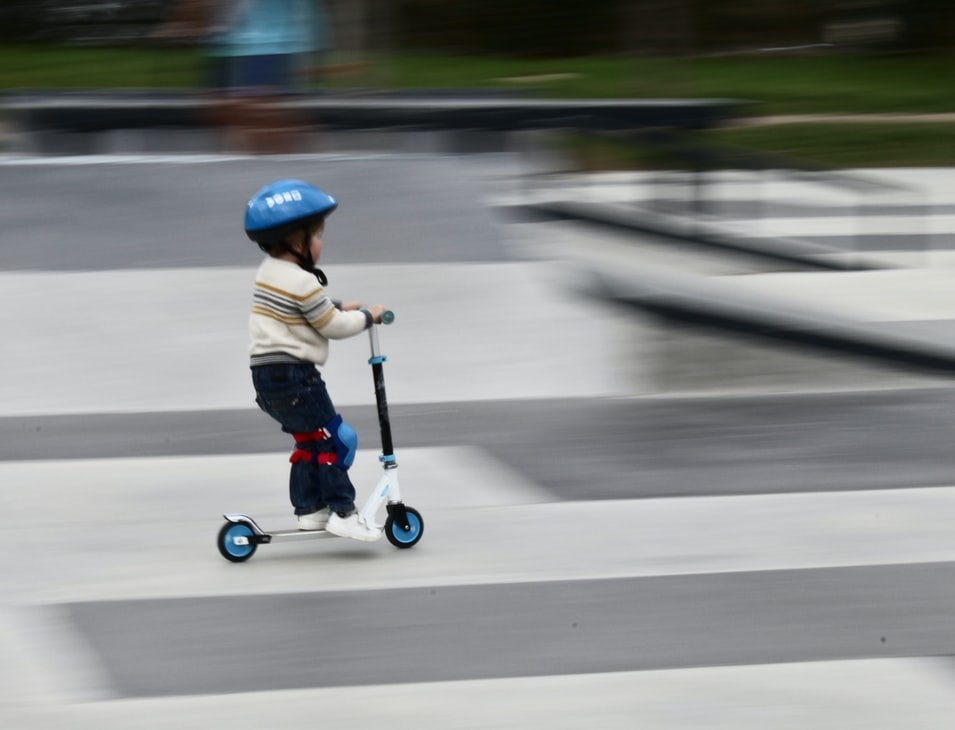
281	207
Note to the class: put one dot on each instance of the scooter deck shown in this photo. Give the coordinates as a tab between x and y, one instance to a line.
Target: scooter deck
288	535
266	536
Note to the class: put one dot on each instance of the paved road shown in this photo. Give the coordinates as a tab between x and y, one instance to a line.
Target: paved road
589	448
595	554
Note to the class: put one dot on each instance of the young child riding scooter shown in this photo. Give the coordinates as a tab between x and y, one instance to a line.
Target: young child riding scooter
291	322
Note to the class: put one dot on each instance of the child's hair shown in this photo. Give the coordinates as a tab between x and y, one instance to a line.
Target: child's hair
282	240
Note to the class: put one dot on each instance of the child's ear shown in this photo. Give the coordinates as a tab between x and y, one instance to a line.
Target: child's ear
296	242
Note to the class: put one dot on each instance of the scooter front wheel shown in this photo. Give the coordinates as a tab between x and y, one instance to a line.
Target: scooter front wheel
235	542
400	537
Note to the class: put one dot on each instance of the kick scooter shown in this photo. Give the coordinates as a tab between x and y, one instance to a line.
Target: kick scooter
241	535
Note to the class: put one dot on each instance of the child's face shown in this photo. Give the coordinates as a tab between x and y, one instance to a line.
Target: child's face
310	241
315	241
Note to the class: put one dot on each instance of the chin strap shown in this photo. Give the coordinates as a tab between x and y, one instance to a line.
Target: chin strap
306	263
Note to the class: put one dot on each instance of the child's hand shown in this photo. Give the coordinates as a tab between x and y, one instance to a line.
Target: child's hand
377	311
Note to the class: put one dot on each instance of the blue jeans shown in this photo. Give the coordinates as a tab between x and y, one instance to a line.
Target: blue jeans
296	397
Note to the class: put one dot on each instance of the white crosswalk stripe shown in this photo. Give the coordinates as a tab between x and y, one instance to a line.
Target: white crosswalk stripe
203	311
891	693
486	524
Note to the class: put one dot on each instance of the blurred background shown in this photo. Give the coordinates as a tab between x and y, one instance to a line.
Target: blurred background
851	57
670	381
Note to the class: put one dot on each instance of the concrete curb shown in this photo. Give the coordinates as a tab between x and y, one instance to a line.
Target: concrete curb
715	304
92	111
697	232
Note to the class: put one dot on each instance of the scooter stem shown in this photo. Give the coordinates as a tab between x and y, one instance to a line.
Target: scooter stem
378	374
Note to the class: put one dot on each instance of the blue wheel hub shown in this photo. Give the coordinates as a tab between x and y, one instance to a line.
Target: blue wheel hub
233	542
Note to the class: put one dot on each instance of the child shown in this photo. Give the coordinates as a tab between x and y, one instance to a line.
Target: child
291	323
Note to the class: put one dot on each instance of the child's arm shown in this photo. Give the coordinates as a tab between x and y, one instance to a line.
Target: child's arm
334	323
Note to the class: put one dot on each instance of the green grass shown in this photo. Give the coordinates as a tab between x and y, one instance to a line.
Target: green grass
57	67
828	145
780	84
923	144
832	84
599	77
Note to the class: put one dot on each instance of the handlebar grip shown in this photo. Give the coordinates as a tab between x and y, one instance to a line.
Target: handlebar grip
387	317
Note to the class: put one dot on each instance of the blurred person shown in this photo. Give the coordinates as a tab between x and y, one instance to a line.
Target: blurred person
265	45
256	53
291	323
259	51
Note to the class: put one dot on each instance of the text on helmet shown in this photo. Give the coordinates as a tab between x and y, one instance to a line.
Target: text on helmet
282	198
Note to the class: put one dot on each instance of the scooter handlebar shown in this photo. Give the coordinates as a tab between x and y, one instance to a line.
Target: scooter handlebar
387	317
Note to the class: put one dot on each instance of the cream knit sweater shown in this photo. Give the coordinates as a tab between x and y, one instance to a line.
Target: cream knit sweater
292	319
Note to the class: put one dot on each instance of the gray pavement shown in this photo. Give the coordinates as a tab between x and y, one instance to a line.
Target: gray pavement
587	448
144	216
619	530
447	633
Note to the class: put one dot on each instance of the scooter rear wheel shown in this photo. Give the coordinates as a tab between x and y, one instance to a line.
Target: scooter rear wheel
400	537
235	542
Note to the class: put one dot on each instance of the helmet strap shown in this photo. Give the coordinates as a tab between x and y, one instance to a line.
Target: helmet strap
302	252
305	261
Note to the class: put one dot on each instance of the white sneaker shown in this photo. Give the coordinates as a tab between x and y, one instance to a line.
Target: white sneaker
315	520
353	526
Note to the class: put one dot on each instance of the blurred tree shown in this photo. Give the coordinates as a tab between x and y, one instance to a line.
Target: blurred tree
568	27
510	27
907	25
657	27
928	25
727	25
535	27
18	21
88	21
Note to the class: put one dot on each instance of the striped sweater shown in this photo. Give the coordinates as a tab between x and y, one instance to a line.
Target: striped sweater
292	319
